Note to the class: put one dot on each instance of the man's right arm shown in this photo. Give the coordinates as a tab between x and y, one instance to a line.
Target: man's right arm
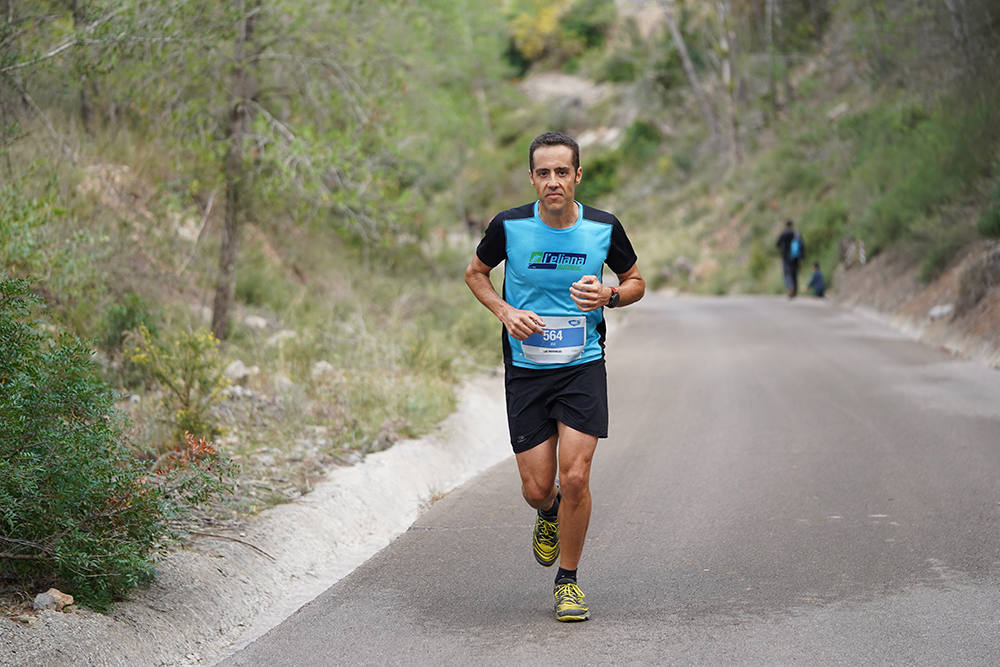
519	323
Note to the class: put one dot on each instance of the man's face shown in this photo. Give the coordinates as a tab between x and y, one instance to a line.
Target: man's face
554	177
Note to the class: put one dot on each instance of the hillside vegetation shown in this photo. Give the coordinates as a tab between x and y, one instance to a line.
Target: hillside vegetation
257	213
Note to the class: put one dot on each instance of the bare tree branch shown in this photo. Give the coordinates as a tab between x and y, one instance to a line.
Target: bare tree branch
9	556
67	149
69	43
234	539
201	232
678	38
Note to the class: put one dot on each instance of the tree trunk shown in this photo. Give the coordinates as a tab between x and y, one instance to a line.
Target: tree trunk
786	79
87	85
726	49
775	46
675	33
959	30
876	21
478	88
772	75
235	169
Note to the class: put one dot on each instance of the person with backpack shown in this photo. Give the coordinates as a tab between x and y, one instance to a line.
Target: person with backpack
793	249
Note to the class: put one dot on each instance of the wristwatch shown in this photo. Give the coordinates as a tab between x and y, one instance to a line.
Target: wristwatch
615	298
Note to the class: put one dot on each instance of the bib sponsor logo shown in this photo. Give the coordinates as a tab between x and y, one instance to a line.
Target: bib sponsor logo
564	261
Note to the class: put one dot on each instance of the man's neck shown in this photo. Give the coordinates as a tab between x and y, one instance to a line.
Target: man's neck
559	219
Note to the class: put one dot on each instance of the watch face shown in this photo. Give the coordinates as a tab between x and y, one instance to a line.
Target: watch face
613	301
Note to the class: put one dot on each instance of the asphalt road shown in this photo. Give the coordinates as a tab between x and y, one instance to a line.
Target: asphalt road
785	483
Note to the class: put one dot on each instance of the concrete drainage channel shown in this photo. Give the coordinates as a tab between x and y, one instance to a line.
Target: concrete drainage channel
209	601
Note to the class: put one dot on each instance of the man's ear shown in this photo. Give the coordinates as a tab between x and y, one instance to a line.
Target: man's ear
579	174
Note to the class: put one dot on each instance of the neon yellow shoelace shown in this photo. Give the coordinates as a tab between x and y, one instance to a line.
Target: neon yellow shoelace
568	594
548	530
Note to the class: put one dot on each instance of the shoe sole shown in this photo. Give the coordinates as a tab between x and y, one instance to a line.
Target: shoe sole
569	618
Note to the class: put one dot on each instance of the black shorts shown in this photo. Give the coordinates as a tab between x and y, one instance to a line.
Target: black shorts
577	396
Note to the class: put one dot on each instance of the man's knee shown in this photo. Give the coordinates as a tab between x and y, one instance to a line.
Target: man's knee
575	483
537	492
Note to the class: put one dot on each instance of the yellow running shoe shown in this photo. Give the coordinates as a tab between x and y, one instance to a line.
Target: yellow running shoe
545	540
569	602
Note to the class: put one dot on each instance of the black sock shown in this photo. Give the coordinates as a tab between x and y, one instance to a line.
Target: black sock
552	513
565	576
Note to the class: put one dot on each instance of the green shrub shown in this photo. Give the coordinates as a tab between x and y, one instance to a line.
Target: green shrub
642	142
429	353
668	69
21	243
683	159
600	176
122	317
76	508
478	332
989	222
939	255
823	225
519	64
761	259
259	282
798	175
909	161
37	239
620	67
936	240
189	368
589	21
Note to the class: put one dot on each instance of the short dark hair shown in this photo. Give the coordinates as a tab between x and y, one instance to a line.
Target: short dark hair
553	139
788	223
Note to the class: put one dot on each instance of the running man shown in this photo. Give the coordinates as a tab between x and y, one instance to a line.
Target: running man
553	346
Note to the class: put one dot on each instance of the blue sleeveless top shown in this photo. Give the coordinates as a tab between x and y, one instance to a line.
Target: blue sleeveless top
541	264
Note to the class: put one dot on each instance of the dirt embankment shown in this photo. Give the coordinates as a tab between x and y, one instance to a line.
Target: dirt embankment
958	311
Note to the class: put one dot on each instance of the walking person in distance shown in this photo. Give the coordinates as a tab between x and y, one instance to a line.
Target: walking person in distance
552	312
792	249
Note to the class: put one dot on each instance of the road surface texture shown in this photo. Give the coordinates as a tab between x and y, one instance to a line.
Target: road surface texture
785	483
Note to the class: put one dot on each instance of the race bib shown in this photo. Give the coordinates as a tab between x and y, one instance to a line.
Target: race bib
562	341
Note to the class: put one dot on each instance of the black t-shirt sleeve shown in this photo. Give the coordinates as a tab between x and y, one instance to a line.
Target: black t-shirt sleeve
621	256
493	247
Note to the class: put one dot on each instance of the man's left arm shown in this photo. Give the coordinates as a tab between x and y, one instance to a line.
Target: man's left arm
631	286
